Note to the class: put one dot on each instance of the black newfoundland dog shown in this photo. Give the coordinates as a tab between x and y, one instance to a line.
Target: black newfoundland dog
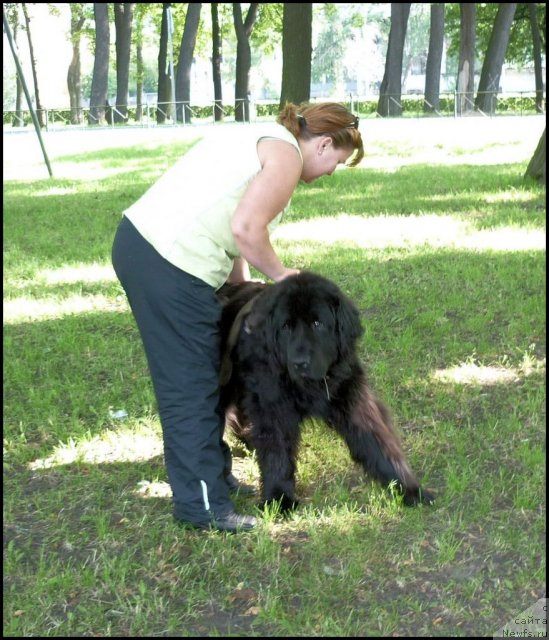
288	354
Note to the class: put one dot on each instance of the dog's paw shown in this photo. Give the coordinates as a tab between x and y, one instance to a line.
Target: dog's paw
413	497
283	504
288	504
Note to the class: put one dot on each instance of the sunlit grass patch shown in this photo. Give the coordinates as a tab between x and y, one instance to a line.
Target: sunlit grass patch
33	309
409	231
125	444
473	372
71	274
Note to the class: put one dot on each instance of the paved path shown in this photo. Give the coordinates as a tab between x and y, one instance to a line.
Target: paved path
505	139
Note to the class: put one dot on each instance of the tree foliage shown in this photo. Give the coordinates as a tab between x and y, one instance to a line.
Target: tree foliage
243	43
337	27
519	51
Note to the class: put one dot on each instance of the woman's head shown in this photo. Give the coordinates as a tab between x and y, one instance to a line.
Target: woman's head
325	120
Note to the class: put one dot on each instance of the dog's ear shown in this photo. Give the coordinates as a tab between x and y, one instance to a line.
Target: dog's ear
259	312
264	320
253	321
348	323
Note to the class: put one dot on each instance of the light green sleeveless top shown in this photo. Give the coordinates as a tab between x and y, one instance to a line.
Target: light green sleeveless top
186	215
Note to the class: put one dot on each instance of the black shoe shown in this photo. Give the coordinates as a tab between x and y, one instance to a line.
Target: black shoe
229	521
233	522
235	486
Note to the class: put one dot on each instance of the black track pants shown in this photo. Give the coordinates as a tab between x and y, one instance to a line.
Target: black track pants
178	318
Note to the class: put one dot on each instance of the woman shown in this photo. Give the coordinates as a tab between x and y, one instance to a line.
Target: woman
203	223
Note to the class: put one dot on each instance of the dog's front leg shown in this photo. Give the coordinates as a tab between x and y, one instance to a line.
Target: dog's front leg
276	446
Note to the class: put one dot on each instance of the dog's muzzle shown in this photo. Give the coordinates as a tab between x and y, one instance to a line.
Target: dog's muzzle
301	366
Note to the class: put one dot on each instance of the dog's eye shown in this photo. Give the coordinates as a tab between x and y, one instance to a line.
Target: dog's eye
286	326
316	324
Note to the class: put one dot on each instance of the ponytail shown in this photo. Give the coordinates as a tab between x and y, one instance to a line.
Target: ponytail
330	119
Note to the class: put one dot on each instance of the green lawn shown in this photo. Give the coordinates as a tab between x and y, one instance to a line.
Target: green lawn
443	250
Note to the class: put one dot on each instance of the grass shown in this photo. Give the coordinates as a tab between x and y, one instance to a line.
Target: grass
446	262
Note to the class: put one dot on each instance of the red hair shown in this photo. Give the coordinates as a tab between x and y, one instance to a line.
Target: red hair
330	119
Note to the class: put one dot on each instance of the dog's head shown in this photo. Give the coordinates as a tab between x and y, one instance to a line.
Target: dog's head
306	323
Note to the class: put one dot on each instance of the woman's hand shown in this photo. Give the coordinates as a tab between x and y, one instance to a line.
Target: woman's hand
286	273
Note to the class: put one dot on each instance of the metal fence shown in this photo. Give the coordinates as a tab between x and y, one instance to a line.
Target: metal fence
149	114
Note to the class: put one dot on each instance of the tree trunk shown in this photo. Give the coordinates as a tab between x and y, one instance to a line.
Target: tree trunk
123	16
184	64
536	166
139	69
391	87
164	99
216	65
18	119
296	52
536	42
434	59
488	86
243	30
100	77
12	14
465	84
39	110
74	83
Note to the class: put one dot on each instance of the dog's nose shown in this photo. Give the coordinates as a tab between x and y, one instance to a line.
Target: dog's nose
301	364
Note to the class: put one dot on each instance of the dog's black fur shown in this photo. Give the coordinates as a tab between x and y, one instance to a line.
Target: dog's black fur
293	355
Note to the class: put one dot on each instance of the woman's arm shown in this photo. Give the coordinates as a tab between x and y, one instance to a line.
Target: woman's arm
240	271
266	196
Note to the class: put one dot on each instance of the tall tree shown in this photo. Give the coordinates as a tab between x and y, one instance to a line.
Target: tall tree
123	17
465	85
519	50
100	77
434	58
39	110
186	51
488	86
243	30
74	73
141	9
391	87
164	99
12	15
536	46
296	52
216	64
